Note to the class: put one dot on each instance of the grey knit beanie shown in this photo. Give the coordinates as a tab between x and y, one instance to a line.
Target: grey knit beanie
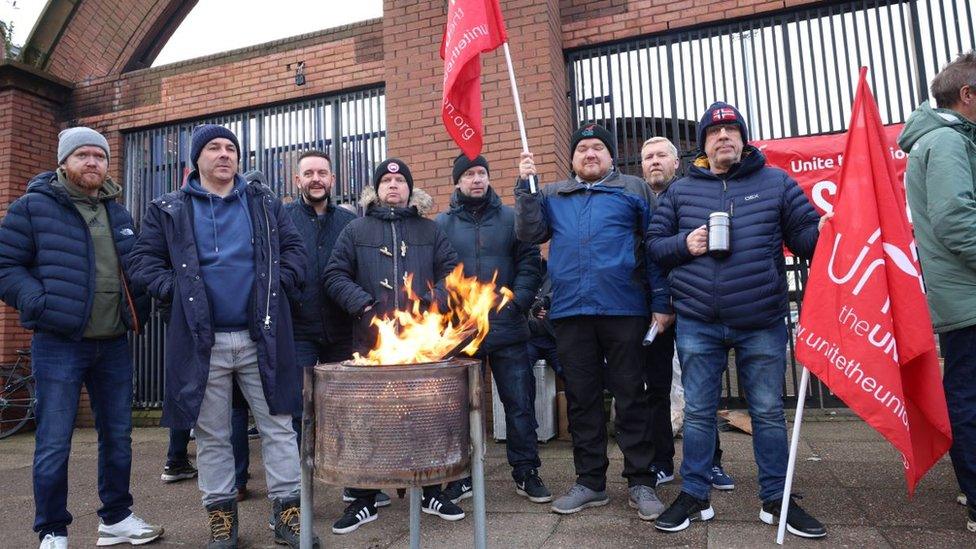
72	138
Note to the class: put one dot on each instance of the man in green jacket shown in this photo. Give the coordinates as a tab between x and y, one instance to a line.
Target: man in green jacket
941	186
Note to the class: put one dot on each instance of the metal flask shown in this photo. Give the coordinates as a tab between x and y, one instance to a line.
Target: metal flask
719	234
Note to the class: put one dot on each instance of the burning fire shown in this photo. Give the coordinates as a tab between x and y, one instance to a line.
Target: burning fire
414	336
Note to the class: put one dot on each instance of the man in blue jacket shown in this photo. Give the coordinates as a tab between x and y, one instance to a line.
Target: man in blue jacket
603	292
64	264
482	232
226	257
736	302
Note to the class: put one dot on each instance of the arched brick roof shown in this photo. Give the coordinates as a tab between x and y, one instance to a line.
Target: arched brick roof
79	40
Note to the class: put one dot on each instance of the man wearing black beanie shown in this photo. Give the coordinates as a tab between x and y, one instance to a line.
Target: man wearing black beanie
482	230
604	292
367	276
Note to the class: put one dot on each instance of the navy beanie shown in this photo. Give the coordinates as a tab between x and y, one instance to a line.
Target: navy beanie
462	164
721	113
392	165
592	131
205	133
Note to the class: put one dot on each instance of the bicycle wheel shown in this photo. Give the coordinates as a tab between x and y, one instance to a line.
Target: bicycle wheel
16	402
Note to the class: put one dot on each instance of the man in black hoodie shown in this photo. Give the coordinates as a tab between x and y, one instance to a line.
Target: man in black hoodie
482	231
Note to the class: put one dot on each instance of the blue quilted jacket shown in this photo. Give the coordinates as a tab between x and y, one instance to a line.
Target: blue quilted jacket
47	263
747	289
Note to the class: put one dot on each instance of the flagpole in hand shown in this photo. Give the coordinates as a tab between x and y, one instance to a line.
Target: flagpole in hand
801	398
518	112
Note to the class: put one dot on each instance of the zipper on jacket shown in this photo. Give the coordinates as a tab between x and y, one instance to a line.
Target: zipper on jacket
715	308
396	291
267	305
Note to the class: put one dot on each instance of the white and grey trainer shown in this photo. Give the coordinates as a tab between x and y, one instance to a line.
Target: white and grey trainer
131	530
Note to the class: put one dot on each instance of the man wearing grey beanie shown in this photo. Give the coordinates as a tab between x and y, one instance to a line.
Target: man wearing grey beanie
64	251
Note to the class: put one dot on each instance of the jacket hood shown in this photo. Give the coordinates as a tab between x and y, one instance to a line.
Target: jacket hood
925	119
752	160
419	199
47	183
194	188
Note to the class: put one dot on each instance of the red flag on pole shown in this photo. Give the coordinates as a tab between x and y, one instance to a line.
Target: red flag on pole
473	27
865	329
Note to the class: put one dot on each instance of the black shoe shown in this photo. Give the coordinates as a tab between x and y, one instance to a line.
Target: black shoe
682	512
173	472
532	487
798	522
438	504
359	512
252	433
381	500
458	489
288	520
222	517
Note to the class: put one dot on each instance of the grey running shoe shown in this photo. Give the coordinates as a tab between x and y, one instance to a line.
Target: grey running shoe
644	499
578	498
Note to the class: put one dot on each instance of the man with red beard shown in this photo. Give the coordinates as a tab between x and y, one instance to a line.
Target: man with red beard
64	264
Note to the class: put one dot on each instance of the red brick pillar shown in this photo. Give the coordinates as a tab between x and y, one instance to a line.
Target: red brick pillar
414	73
30	102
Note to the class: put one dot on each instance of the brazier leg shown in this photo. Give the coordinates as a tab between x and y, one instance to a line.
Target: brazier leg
478	456
415	503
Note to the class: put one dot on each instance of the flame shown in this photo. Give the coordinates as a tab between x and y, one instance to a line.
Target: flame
412	336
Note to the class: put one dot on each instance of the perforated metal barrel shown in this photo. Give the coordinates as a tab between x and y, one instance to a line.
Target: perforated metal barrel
391	426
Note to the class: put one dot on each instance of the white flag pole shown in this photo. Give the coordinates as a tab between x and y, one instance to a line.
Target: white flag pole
801	398
518	111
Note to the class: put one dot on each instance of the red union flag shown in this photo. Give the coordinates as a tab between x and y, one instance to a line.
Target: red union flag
865	329
473	27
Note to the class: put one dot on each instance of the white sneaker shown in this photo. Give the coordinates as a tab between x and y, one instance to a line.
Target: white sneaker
132	530
51	541
961	499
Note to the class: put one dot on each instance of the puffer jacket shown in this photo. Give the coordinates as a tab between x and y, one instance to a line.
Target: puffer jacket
47	261
747	289
166	261
316	317
374	254
487	245
941	181
597	260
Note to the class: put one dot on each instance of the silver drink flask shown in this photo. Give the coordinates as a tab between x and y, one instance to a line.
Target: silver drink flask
719	234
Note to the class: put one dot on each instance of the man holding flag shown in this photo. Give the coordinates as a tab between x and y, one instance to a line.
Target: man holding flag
941	183
738	301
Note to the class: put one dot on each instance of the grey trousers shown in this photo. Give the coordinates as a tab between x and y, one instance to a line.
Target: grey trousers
234	354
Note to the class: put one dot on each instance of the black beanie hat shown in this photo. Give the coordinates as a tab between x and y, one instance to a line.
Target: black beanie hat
721	113
462	164
392	165
205	133
592	131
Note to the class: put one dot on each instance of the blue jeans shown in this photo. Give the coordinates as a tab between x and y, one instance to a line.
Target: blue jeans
61	366
760	358
959	349
544	348
309	353
516	389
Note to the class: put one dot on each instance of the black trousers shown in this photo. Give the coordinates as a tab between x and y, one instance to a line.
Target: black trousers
597	353
658	357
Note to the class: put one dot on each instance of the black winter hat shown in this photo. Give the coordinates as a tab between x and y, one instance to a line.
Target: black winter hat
392	165
462	164
721	113
205	133
588	131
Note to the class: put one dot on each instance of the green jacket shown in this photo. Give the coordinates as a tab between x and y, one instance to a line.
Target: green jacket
941	184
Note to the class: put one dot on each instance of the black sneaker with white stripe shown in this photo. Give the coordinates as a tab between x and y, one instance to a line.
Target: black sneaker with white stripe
357	513
529	485
798	521
437	504
685	510
662	475
458	489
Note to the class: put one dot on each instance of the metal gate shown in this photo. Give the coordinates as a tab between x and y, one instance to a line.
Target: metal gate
791	73
351	127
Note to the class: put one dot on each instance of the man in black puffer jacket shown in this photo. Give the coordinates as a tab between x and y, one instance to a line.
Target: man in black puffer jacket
482	231
65	265
366	276
738	301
